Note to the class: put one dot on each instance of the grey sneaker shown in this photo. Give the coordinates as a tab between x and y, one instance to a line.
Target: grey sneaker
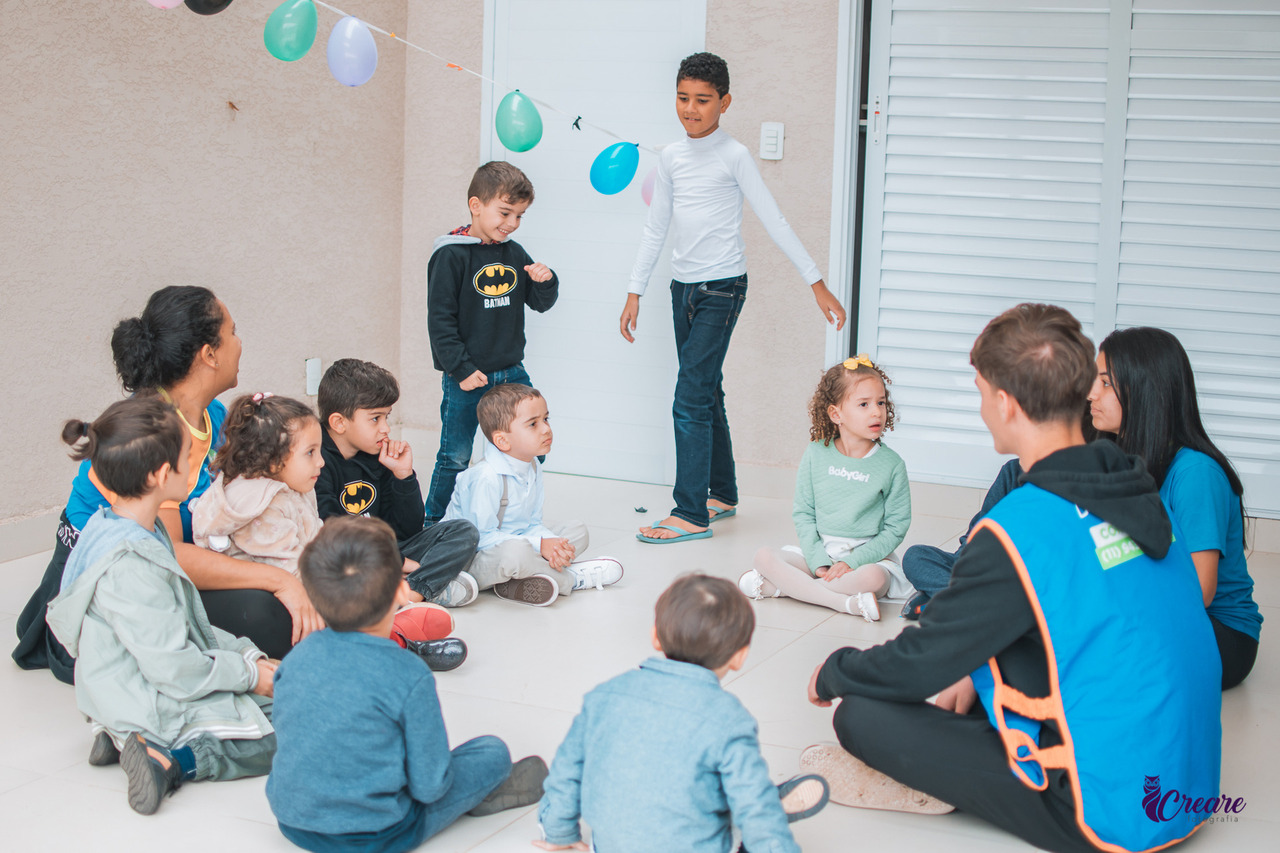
522	788
596	573
103	752
536	590
460	592
152	771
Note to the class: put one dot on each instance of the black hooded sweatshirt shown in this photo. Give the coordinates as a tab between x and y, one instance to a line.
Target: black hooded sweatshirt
985	613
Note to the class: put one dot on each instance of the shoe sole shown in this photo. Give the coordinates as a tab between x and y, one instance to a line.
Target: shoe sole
423	622
103	753
803	797
854	783
536	591
144	793
522	788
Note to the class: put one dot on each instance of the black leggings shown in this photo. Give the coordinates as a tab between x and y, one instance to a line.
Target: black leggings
1238	652
252	613
961	760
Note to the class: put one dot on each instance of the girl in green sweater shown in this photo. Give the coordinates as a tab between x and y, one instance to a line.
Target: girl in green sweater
852	505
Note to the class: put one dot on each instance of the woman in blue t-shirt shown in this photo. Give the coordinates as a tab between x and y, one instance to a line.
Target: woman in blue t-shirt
1145	397
183	347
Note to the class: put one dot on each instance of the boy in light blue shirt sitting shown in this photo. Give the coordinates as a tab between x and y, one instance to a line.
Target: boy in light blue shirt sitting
662	757
518	556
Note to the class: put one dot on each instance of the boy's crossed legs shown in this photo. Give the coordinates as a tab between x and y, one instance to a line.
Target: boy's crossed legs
517	559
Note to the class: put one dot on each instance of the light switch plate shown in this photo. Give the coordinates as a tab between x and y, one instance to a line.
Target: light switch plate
771	136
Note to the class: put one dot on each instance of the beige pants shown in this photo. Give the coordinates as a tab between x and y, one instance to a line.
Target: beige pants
516	558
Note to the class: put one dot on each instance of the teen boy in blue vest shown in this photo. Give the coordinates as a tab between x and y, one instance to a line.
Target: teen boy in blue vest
1069	590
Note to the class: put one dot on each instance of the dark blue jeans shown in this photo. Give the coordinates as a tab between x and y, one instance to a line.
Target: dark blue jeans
457	432
705	314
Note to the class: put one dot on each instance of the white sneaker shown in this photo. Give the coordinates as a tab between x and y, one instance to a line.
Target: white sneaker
752	585
863	604
596	573
460	591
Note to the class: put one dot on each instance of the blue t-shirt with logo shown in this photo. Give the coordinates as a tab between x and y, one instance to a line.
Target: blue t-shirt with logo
85	498
1199	497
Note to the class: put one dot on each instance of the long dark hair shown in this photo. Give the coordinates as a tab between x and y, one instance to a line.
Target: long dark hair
158	348
1153	381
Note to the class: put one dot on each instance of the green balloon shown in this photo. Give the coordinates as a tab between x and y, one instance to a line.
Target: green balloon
291	30
517	122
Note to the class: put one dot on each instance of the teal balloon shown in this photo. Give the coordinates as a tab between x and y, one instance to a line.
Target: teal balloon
517	122
614	167
291	30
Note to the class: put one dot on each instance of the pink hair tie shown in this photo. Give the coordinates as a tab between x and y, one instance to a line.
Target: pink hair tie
262	395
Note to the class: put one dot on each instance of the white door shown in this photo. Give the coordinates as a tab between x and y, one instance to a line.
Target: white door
614	64
1121	160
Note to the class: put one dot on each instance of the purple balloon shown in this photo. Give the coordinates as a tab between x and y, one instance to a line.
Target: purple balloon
353	55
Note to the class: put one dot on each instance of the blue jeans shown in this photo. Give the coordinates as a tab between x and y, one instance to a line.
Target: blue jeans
477	767
457	433
704	314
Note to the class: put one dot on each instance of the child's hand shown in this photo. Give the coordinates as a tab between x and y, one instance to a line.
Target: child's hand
558	552
627	322
835	570
539	272
813	690
474	381
266	678
832	310
547	845
397	457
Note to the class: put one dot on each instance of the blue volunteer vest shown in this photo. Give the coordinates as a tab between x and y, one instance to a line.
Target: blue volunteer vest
1134	674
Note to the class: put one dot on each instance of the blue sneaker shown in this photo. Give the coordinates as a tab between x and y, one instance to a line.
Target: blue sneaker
915	606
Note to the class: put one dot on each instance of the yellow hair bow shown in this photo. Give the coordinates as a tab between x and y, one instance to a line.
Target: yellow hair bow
860	360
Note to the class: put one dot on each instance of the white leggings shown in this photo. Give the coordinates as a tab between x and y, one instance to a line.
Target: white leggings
785	570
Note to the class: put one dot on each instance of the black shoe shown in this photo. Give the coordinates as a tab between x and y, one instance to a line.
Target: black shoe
803	796
440	655
153	773
914	607
103	752
522	788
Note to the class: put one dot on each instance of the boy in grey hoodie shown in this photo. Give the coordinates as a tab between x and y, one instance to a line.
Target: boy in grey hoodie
180	699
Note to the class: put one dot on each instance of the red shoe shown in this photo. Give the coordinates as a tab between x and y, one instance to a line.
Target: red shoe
422	623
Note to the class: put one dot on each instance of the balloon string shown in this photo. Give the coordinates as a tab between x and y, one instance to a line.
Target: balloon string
458	67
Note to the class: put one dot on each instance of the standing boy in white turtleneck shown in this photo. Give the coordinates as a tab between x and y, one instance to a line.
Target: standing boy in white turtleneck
702	180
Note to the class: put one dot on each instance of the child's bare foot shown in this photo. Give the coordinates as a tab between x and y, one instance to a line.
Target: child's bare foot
657	531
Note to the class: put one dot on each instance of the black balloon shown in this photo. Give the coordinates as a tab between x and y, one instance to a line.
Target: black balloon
207	7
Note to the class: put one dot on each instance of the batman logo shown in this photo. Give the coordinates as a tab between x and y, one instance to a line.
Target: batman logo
358	496
495	280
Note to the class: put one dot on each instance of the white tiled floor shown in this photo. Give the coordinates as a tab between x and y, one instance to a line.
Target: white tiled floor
51	800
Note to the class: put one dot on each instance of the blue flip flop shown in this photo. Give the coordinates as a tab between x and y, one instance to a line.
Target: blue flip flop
684	536
716	513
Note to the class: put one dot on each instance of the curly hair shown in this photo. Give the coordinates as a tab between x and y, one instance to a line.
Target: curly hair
708	68
259	432
834	386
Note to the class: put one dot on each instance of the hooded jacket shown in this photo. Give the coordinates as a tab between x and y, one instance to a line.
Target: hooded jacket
256	518
362	485
985	612
147	659
476	294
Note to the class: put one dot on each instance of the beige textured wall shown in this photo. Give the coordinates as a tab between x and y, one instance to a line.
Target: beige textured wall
782	59
125	169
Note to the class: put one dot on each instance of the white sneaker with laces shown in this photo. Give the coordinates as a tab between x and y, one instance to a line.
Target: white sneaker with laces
596	573
752	585
459	592
863	604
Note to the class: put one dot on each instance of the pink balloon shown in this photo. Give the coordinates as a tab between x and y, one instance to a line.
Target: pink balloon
165	4
646	189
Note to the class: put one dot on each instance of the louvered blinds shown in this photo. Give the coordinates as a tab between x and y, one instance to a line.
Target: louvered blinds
1121	161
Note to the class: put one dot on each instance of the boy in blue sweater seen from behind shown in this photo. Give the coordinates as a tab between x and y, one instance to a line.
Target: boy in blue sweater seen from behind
364	760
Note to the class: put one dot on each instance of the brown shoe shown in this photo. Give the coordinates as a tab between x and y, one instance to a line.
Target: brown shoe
855	784
537	590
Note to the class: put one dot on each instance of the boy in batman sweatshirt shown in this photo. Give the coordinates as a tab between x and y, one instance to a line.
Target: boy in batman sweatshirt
478	283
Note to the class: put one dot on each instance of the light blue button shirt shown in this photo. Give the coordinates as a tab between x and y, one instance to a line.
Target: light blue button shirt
477	497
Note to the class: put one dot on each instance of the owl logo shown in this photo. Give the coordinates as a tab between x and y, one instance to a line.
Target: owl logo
495	280
1151	797
357	497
